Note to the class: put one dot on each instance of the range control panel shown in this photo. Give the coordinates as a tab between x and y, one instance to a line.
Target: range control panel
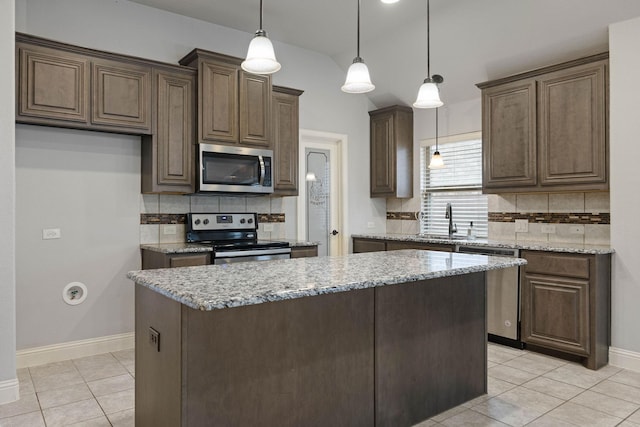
223	221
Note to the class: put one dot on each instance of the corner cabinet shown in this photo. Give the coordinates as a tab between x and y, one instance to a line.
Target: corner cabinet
285	130
168	155
566	301
391	152
547	129
234	107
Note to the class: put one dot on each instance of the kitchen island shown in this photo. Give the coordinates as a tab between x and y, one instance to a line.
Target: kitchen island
386	339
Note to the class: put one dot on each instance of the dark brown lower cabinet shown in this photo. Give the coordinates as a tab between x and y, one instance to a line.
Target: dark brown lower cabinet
566	304
375	245
152	259
304	251
388	356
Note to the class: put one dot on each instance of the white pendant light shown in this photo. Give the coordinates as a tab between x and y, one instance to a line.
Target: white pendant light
261	58
436	160
358	80
429	94
390	1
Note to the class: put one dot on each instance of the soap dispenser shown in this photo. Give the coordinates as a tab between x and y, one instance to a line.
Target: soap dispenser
470	232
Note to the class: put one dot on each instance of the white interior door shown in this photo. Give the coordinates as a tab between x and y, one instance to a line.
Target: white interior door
320	197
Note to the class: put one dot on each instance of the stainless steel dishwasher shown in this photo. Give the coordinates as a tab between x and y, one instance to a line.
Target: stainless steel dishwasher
503	297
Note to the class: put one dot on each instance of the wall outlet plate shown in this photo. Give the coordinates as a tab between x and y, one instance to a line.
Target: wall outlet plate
371	224
169	229
522	226
576	229
268	228
51	233
548	228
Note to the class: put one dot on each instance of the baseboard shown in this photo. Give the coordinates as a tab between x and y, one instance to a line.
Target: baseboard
73	350
9	391
624	359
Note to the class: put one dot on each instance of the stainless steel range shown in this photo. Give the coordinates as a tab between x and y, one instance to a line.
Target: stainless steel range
234	237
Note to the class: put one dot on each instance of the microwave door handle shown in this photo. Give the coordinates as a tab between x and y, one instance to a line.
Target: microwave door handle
262	170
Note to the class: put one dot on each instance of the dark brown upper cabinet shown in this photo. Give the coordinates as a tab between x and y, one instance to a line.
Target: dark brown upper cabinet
52	85
285	129
168	155
121	96
547	129
391	152
234	107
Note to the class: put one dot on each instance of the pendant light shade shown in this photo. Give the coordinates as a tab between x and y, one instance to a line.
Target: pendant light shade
436	160
261	59
429	93
358	80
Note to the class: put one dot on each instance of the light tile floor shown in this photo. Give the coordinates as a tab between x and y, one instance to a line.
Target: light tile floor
92	391
524	388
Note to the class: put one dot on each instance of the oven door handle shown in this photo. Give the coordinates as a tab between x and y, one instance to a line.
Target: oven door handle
254	252
263	170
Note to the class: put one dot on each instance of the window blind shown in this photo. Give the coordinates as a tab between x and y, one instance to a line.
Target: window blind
459	182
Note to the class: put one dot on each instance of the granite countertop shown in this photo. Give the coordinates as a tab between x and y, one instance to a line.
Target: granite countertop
519	244
183	248
214	287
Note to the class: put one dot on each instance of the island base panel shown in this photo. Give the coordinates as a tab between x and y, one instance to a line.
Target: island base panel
302	362
430	347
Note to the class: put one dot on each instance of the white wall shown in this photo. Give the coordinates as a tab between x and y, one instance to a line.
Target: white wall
7	202
88	185
124	27
625	182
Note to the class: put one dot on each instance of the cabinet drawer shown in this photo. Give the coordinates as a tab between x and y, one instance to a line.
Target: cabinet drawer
557	264
364	245
396	246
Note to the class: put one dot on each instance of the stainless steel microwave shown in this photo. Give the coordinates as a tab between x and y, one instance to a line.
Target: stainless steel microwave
229	169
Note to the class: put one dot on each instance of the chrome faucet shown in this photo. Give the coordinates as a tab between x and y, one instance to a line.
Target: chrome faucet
449	215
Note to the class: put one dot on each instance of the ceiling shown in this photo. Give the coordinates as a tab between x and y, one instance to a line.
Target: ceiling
471	40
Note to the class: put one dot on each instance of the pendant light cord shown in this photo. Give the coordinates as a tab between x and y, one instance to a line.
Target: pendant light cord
428	44
358	37
437	129
261	11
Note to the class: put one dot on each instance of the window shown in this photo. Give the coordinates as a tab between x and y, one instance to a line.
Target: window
458	183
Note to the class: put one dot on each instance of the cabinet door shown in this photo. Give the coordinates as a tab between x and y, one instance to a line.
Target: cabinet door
218	102
366	245
571	114
509	135
304	252
175	130
285	143
255	109
555	313
52	85
383	156
122	96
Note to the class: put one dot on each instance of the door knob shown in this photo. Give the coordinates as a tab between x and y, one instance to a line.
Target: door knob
334	232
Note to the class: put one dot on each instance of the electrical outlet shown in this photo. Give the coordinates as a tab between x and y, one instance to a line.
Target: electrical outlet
50	233
576	229
268	228
371	224
522	226
548	228
169	229
154	338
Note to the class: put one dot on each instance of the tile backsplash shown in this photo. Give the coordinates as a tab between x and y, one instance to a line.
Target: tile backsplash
563	217
162	217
